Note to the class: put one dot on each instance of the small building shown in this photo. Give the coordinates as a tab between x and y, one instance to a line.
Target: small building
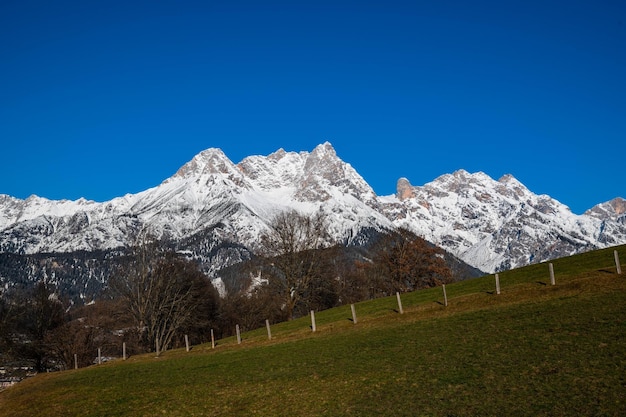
6	382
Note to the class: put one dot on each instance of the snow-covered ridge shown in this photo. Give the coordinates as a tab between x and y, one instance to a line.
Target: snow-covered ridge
209	190
489	224
614	210
495	225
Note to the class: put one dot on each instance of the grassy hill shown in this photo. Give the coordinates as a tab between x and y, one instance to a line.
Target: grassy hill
534	350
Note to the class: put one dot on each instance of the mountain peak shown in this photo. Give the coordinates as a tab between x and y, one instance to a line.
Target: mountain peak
512	186
461	179
278	155
619	205
404	189
461	173
323	160
509	179
209	161
614	209
325	150
311	175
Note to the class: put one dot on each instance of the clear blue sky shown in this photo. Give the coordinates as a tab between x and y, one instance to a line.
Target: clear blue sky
103	98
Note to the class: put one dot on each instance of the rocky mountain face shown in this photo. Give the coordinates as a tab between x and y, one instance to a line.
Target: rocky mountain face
209	192
498	225
614	210
216	210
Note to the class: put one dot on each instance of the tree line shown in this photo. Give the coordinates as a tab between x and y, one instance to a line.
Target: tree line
157	296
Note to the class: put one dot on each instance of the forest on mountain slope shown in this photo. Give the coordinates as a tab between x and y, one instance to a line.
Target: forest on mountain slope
152	298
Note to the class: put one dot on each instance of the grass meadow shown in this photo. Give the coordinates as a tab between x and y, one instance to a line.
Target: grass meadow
534	350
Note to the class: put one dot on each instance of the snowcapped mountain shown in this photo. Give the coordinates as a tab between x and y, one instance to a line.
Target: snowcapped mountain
497	225
614	210
235	201
492	225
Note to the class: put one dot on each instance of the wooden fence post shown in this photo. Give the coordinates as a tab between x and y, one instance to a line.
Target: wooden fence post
212	340
399	303
445	296
617	264
75	361
313	326
124	350
187	343
269	331
497	284
353	313
99	356
552	281
238	334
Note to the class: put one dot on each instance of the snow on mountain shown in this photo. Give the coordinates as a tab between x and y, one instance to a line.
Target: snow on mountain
209	192
492	225
314	174
614	210
496	225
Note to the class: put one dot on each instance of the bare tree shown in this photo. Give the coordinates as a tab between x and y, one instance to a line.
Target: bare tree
404	262
249	309
89	328
9	314
164	294
291	243
179	293
73	338
134	282
41	313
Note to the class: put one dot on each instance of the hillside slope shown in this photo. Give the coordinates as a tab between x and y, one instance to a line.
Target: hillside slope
533	350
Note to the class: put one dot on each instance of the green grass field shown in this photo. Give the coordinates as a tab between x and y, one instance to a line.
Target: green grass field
534	350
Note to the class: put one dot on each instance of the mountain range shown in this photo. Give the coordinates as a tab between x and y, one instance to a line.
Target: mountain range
218	209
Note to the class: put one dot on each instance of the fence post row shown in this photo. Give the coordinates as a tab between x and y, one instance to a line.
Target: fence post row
313	327
399	303
497	284
352	308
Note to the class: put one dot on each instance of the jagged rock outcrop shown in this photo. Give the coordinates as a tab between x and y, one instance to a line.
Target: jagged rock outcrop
613	210
209	192
404	189
211	202
497	225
